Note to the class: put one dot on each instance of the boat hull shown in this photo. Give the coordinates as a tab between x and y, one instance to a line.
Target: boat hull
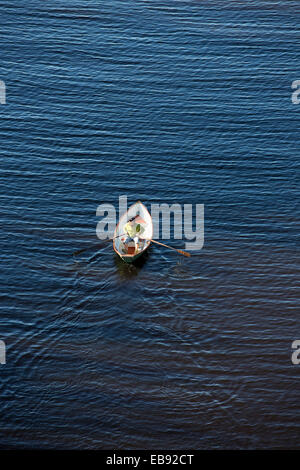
119	236
132	259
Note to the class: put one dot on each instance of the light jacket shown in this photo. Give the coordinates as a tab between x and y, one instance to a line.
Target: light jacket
133	230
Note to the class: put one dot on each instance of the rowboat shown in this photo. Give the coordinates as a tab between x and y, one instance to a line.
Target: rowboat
142	217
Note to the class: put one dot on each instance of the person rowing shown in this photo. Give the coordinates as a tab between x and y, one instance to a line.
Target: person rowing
133	231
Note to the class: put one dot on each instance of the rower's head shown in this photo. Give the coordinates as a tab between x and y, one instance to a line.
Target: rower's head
131	221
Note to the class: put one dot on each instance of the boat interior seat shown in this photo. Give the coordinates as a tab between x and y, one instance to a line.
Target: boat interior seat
130	249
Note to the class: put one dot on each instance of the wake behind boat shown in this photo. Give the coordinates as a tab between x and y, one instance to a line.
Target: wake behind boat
129	251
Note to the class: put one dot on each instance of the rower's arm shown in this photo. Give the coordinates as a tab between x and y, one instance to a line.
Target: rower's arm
126	229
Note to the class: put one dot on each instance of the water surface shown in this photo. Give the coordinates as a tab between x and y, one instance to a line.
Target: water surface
162	101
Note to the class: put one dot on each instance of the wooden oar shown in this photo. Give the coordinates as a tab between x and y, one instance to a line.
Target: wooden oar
98	244
184	253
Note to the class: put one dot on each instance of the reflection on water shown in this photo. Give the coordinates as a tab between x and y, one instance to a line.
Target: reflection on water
180	269
131	270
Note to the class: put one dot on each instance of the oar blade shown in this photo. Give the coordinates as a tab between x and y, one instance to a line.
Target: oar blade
184	253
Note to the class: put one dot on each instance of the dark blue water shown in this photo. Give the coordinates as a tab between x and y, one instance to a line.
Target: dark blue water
163	101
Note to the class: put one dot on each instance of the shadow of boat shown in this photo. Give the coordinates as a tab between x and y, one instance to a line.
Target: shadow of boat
131	270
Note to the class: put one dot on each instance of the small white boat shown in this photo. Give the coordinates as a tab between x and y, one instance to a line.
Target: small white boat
142	217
